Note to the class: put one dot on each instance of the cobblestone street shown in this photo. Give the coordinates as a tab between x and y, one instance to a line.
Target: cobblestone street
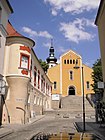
48	124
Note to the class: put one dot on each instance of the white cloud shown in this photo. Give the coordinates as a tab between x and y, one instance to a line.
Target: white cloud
75	31
54	12
29	31
47	45
72	6
44	34
34	33
62	49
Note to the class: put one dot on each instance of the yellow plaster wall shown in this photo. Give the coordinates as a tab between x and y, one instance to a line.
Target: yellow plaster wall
54	75
66	68
87	77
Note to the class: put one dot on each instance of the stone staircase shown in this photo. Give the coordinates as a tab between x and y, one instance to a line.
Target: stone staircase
71	106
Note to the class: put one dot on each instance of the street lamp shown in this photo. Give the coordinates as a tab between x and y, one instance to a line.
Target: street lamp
2	93
83	99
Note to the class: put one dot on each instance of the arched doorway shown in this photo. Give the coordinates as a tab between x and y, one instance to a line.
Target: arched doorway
71	90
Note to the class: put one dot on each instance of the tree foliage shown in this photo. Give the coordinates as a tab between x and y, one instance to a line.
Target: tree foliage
44	65
97	75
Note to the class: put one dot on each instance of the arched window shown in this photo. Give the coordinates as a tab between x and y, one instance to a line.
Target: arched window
64	61
88	85
70	61
67	61
73	61
55	85
76	61
71	75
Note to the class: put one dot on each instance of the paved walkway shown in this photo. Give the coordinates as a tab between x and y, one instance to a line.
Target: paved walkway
92	127
10	128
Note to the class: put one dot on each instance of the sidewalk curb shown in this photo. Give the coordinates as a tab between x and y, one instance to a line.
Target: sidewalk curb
79	129
6	134
31	122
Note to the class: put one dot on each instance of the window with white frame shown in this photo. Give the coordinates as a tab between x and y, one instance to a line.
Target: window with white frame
29	99
34	99
24	62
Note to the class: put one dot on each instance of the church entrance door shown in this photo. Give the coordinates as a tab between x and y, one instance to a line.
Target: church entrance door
71	90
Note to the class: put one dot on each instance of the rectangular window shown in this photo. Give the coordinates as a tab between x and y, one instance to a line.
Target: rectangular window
42	86
55	85
46	87
24	61
34	78
88	85
0	13
38	79
31	70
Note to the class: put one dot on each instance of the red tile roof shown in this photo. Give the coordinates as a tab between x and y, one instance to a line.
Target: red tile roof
11	31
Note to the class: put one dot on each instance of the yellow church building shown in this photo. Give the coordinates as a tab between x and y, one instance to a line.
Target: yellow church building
67	75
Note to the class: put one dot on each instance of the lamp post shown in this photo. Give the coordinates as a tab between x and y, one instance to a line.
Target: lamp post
2	93
83	99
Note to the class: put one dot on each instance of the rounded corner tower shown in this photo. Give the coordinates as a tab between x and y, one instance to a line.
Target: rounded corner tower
51	60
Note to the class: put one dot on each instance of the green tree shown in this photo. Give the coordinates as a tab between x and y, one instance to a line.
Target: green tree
44	65
97	75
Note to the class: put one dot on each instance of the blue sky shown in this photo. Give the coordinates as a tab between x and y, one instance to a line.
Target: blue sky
69	22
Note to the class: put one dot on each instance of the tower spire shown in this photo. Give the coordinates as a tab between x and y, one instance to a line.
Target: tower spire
51	42
51	60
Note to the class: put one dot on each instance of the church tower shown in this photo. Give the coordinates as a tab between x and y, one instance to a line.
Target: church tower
51	60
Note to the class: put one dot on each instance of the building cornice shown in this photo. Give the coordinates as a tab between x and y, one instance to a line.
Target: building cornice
19	39
100	11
